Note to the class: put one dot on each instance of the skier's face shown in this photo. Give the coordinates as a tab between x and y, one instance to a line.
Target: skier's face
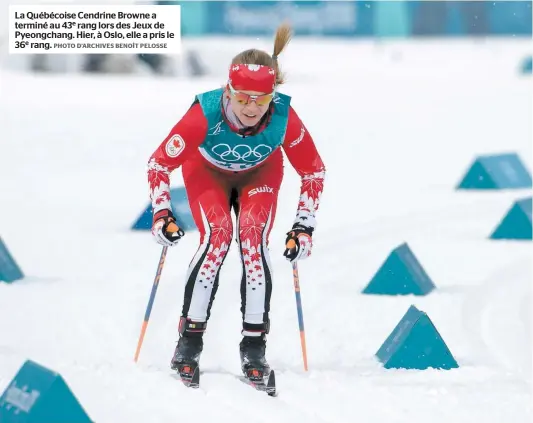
249	106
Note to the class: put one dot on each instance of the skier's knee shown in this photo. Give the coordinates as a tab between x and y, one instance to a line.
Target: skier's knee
221	231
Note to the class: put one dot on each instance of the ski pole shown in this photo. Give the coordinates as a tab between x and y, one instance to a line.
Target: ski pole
151	301
300	312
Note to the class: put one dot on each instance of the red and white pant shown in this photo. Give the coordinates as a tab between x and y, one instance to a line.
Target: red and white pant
253	195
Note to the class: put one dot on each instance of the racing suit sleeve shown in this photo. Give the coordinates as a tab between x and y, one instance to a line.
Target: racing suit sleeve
182	141
305	159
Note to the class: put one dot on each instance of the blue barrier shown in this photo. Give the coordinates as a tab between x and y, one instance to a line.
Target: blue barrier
526	66
329	18
38	395
180	209
509	17
415	343
400	274
517	222
9	269
496	172
358	18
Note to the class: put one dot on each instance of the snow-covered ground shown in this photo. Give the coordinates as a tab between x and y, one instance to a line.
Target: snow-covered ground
396	131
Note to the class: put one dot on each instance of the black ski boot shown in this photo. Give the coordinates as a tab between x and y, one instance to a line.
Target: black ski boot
253	361
186	359
188	352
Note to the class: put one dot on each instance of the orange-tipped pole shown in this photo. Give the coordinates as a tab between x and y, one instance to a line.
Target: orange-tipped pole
304	349
141	339
299	310
151	302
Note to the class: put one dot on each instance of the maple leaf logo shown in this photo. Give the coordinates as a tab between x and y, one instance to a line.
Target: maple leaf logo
164	196
252	224
156	178
313	185
255	257
222	231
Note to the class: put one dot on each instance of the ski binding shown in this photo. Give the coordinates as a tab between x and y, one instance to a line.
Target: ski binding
260	381
189	375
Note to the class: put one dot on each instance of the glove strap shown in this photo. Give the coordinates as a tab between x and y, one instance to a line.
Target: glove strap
297	227
162	214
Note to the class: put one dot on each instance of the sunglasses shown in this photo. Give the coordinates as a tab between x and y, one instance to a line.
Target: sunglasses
242	98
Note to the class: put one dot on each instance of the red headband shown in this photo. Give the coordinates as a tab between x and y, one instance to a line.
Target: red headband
252	78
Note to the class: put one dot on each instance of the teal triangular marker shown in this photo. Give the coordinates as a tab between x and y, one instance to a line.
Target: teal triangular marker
415	343
400	274
516	224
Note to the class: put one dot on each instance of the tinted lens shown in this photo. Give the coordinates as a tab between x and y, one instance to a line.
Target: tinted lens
241	97
260	100
263	100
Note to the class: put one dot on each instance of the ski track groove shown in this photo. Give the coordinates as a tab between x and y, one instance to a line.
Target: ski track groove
485	305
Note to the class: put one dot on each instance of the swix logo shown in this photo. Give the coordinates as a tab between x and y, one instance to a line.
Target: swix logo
261	189
299	139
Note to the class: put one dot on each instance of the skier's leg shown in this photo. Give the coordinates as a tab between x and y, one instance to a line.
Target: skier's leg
257	210
209	202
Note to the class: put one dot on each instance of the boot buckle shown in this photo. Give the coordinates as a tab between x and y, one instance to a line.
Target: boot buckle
187	325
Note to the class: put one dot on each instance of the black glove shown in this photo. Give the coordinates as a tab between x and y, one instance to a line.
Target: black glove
299	243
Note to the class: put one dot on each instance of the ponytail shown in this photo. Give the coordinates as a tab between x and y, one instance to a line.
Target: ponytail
259	57
283	36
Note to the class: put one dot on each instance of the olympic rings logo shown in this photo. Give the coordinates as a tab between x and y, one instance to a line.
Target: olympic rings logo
242	152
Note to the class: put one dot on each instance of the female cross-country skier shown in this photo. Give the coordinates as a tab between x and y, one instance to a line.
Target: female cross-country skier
229	147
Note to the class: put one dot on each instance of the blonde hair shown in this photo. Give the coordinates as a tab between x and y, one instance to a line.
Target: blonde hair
259	57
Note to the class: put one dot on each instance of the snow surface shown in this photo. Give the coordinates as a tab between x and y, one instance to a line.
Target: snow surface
396	131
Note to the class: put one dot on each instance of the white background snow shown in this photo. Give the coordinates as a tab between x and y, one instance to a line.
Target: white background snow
397	125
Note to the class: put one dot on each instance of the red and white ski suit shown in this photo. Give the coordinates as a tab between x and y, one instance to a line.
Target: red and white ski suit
253	193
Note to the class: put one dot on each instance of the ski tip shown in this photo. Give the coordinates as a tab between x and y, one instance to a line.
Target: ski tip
271	384
196	377
188	380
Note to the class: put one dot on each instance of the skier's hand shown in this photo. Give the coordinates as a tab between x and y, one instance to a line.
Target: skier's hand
299	243
165	230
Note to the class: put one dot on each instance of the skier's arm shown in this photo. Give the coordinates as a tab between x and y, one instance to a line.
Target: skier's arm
303	156
176	148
